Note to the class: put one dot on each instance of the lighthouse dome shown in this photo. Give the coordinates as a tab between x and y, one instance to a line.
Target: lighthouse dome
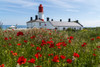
40	5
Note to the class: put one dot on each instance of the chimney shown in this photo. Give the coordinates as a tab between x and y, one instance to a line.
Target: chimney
51	19
47	18
31	18
69	20
36	17
77	21
60	20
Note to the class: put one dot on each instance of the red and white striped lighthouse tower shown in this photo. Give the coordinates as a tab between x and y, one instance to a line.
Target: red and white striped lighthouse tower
40	13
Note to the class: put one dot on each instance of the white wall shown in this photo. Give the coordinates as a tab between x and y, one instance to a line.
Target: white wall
41	15
49	25
36	25
29	25
76	28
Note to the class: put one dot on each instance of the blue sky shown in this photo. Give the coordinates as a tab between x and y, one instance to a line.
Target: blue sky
19	11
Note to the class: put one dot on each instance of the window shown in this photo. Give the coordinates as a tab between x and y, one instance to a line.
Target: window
74	28
39	24
56	28
63	28
80	28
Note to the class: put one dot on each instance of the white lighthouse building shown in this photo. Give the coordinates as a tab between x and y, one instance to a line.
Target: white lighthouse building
40	13
39	22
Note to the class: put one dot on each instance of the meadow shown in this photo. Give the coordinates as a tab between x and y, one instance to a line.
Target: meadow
50	48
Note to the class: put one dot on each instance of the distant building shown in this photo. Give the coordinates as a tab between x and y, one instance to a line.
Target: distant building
12	27
59	25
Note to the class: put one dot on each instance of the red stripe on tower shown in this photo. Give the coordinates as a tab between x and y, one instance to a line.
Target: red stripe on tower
40	8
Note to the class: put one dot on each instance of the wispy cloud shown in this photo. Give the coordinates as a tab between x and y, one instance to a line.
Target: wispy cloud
16	5
72	10
91	23
22	3
11	10
60	3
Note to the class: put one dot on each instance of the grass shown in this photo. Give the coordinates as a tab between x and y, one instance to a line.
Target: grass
89	55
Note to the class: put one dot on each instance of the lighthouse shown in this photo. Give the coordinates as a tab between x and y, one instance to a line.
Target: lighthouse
39	22
40	13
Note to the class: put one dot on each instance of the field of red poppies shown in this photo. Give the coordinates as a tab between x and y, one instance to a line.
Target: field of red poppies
49	48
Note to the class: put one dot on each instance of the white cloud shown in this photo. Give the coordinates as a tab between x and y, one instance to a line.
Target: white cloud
23	3
11	10
15	5
60	3
91	23
72	10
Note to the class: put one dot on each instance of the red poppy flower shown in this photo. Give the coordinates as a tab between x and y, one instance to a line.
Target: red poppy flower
98	46
71	37
84	44
21	60
10	38
11	51
76	55
60	39
10	44
68	38
5	38
58	44
50	42
2	65
19	44
59	47
50	38
32	60
94	54
32	37
5	31
69	61
49	33
98	37
64	44
14	54
32	45
51	46
38	48
69	41
50	54
43	43
92	39
37	55
55	59
20	33
25	41
62	57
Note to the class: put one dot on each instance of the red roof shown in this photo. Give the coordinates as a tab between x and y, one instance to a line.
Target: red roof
42	19
40	5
